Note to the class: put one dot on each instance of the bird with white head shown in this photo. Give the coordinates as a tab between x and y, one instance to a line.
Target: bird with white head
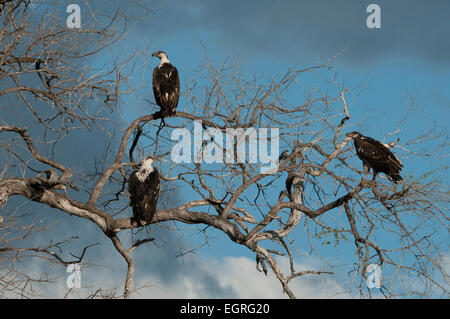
166	85
144	186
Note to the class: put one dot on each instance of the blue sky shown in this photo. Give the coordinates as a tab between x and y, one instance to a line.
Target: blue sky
408	57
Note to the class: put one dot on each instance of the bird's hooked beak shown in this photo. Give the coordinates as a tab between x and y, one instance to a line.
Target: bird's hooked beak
157	54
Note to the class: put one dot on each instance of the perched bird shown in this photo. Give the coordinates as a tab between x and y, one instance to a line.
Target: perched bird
377	156
295	180
144	187
284	155
166	85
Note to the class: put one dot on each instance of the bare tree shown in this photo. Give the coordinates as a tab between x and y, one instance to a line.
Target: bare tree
319	188
51	89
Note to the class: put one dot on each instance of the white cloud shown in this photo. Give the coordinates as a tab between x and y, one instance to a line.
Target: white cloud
195	277
237	277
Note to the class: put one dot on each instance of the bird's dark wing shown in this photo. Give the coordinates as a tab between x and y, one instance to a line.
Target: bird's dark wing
137	193
151	194
378	157
156	81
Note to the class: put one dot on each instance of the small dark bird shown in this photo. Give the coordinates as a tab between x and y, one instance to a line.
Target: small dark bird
166	85
284	155
377	156
144	187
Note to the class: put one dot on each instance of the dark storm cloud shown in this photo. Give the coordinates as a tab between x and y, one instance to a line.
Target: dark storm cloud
293	28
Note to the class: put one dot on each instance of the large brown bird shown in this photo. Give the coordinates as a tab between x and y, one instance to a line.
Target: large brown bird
377	156
166	85
144	187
